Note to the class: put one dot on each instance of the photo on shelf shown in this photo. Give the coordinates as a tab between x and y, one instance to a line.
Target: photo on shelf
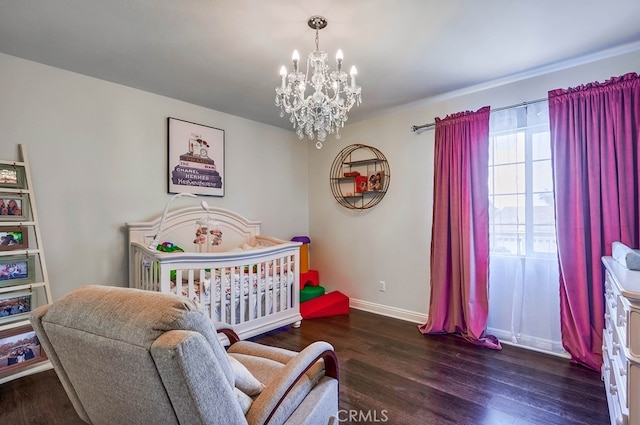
14	305
14	207
12	176
13	238
17	270
19	348
361	184
376	180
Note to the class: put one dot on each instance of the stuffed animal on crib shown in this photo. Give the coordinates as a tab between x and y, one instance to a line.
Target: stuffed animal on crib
217	237
169	247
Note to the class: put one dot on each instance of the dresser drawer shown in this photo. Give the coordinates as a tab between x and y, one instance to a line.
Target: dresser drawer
618	414
633	385
624	315
611	294
627	321
621	343
632	318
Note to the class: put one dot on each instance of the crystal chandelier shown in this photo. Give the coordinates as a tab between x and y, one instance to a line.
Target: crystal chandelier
325	110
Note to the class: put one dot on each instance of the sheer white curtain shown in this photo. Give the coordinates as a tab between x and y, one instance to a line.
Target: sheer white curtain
524	300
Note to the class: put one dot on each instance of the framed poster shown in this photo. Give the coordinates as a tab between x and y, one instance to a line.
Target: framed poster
19	347
13	238
196	158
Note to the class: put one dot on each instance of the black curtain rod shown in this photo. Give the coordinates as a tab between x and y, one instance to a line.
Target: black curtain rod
415	128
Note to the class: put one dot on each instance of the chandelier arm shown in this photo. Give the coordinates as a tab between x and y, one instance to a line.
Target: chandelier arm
291	108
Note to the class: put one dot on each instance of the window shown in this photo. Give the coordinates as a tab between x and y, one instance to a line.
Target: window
524	299
521	216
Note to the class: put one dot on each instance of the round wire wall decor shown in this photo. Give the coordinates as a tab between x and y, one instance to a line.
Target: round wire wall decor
359	177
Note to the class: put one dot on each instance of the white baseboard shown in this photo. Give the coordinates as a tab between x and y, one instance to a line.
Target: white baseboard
384	310
530	343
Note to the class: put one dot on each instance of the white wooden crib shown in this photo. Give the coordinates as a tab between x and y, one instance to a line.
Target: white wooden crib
248	281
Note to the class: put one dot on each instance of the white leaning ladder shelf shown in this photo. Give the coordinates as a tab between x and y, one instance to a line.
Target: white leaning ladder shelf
24	283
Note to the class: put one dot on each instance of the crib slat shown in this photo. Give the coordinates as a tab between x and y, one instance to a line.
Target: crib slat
233	279
251	297
216	311
223	296
268	284
282	282
190	288
241	296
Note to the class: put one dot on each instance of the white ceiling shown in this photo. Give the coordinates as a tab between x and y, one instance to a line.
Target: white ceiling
226	55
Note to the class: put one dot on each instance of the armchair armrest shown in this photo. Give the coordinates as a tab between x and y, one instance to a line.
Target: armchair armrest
265	406
223	328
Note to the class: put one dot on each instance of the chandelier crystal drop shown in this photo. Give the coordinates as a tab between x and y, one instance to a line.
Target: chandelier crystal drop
325	110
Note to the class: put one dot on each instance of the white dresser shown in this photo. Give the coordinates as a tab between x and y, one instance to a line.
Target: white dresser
621	343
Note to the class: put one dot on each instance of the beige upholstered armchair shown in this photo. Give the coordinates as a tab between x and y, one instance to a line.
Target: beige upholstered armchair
127	356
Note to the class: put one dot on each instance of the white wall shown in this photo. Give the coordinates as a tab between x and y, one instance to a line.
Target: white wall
98	156
353	251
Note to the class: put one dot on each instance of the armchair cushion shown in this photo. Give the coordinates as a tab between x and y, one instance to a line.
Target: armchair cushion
193	380
245	381
289	376
250	352
243	400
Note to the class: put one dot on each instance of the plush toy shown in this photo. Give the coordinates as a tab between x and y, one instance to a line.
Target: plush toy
217	237
201	236
169	247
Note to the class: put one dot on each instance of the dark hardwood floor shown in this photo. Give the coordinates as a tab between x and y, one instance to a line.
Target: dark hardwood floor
390	373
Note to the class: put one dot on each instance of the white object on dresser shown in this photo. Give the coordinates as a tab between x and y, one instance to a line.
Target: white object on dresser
621	343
